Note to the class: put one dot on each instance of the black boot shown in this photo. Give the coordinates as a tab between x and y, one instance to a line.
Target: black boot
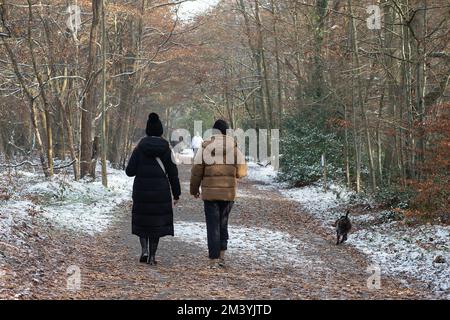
152	261
153	247
144	246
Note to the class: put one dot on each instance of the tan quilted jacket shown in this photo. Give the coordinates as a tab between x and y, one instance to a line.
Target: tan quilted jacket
217	166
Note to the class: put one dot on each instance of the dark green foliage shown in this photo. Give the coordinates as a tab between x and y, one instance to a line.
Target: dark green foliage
394	196
302	145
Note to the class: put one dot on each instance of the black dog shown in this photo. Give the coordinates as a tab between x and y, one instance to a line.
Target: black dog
343	226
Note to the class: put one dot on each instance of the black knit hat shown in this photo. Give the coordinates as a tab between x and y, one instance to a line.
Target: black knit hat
154	126
222	126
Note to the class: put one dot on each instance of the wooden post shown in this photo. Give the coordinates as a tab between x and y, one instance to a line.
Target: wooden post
94	157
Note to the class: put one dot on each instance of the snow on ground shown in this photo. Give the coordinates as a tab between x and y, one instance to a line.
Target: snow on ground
272	248
81	206
319	202
401	250
14	213
260	173
397	249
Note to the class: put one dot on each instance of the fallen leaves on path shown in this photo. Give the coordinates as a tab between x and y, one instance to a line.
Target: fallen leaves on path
109	267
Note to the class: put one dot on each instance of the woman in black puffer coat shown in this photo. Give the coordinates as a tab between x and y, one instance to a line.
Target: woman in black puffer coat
155	183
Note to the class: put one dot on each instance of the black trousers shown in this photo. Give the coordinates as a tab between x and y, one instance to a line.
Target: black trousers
217	213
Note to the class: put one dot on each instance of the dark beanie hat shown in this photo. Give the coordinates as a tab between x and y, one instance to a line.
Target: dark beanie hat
154	126
222	126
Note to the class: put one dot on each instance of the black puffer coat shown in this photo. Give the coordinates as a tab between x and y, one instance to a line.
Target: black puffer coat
152	200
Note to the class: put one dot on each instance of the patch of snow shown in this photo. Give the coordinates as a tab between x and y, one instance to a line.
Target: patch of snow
398	250
244	194
80	206
264	174
260	244
409	251
318	202
13	213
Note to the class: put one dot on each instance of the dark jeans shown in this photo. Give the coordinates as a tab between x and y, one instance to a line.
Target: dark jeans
149	245
217	213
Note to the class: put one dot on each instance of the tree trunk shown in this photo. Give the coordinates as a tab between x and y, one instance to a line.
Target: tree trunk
87	106
260	104
360	99
263	70
94	156
103	130
319	27
42	94
33	113
278	65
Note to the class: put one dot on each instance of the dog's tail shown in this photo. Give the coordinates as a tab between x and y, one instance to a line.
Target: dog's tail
348	212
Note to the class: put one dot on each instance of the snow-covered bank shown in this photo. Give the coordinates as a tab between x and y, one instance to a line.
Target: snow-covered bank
81	206
420	252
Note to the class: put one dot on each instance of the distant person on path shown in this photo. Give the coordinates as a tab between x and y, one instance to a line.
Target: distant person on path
196	143
155	183
218	181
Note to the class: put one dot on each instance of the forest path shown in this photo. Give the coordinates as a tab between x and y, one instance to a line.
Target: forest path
276	251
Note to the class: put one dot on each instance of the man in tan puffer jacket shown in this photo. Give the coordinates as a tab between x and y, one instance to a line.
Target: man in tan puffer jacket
216	169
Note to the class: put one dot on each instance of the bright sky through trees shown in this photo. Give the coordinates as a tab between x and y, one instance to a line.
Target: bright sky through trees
190	9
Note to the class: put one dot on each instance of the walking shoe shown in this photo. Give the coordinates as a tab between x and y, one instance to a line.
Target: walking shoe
213	264
151	261
222	258
143	258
